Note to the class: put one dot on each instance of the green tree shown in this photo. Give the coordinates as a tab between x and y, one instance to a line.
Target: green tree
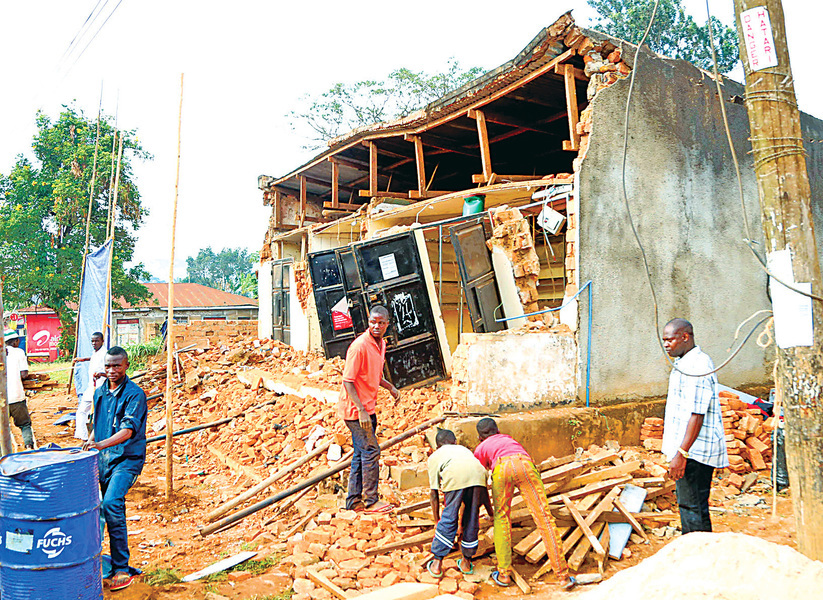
346	106
43	206
230	270
674	34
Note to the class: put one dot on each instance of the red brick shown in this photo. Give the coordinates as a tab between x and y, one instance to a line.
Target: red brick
355	564
448	585
390	579
469	587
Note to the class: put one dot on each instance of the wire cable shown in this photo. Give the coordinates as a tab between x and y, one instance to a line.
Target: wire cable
788	149
86	47
80	32
634	228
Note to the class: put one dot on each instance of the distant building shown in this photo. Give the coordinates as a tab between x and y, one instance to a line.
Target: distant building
141	322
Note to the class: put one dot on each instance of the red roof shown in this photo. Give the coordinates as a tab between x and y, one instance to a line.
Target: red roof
190	295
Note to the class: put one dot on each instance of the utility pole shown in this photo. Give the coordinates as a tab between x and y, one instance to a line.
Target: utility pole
785	197
5	425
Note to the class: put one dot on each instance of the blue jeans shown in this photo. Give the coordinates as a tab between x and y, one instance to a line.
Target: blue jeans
693	497
115	481
365	465
446	529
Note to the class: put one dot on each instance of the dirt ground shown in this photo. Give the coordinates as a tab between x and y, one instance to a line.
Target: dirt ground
164	534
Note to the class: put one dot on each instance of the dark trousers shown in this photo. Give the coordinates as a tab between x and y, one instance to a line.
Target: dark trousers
446	529
115	482
19	413
365	465
693	497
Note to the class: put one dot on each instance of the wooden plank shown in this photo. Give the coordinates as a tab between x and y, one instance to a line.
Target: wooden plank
372	168
325	583
302	215
551	462
605	540
480	178
368	194
632	521
420	161
520	582
483	137
578	555
527	543
602	507
539	551
570	470
592	488
571	107
579	74
649	482
412	507
416	523
669	486
278	203
343	206
335	184
584	527
415	195
603	474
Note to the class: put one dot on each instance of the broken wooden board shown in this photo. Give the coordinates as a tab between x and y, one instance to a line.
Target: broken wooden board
631	498
234	465
325	583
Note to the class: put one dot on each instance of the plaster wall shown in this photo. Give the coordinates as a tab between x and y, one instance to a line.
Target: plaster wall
684	201
513	371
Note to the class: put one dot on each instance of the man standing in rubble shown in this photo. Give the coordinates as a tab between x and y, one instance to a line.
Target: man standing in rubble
119	434
362	377
17	369
693	436
96	372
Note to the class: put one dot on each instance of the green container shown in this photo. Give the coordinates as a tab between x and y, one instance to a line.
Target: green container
473	205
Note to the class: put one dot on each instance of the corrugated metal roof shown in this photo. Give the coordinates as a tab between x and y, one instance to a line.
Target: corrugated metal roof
190	295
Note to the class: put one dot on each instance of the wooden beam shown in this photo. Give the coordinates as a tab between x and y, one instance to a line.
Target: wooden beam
343	206
335	183
578	73
571	108
483	138
480	178
420	162
546	68
368	194
302	215
372	169
278	202
415	195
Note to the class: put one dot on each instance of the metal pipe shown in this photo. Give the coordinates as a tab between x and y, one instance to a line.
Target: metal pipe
311	481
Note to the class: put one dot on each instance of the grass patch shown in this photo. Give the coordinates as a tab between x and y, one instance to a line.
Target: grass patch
141	354
258	567
57	371
284	595
162	576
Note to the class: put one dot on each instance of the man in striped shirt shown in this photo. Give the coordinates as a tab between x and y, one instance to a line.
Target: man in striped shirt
693	437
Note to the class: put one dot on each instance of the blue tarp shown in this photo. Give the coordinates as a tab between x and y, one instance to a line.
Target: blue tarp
94	302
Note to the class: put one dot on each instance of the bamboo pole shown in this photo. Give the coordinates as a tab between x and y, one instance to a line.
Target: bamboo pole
86	246
105	329
5	425
788	230
113	207
252	492
111	177
311	481
170	325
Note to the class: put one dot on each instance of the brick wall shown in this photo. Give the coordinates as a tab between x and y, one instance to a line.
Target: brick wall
214	333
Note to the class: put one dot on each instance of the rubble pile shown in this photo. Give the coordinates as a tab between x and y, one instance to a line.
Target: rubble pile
748	437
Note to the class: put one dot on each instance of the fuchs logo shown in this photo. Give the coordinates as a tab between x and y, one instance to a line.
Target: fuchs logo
54	542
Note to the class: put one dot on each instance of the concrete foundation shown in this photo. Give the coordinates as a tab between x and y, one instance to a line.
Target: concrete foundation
557	432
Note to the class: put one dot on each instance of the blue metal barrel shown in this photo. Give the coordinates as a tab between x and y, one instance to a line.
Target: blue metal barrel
50	526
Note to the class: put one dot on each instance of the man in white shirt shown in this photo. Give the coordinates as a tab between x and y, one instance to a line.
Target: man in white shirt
693	437
17	369
97	372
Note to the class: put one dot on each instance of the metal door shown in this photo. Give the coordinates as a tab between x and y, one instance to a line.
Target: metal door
391	274
280	288
477	275
336	326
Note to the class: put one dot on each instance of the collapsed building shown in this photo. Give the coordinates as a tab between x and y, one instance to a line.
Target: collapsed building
504	199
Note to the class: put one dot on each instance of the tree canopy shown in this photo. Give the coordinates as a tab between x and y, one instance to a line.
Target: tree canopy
43	207
230	270
674	34
346	106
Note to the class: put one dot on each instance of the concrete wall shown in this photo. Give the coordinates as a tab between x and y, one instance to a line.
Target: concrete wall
264	291
684	199
813	138
517	371
214	333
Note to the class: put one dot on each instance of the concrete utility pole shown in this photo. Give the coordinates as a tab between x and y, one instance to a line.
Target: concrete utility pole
5	425
783	184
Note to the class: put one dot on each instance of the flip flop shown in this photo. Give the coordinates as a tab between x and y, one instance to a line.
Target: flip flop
122	582
385	508
495	578
432	573
460	566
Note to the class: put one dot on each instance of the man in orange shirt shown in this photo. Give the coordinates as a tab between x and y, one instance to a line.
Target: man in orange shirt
362	377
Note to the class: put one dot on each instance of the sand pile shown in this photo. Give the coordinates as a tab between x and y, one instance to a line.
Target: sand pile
721	566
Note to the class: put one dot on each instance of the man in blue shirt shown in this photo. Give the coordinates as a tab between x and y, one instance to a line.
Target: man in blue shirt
120	427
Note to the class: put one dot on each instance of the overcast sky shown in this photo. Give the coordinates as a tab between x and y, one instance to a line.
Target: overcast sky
246	65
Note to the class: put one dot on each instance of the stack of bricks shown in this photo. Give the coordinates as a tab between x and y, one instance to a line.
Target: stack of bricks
511	233
302	283
748	437
651	433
